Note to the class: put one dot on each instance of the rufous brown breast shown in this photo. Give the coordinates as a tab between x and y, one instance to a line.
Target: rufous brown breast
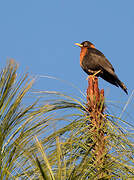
82	54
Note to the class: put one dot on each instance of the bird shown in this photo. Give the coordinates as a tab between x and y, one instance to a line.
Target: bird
93	62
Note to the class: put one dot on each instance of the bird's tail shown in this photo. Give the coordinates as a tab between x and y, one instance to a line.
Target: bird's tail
122	85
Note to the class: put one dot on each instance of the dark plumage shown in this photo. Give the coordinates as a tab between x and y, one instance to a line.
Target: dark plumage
92	60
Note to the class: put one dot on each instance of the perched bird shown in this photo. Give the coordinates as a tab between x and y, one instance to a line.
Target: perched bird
93	62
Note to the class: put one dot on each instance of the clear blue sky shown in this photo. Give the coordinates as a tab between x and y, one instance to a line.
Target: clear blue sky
40	36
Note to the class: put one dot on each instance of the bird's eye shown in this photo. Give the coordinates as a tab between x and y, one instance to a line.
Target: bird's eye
85	44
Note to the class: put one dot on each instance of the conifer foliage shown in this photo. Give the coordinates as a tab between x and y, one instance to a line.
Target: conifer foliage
60	137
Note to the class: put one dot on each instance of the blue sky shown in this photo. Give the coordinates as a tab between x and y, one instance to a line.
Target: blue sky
40	36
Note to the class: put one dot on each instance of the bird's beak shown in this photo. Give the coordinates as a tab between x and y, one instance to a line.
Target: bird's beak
80	45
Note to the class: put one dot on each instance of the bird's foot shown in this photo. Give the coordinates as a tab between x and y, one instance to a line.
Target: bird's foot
87	77
97	72
93	75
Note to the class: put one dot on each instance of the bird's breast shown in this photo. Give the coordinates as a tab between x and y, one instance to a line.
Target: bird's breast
82	54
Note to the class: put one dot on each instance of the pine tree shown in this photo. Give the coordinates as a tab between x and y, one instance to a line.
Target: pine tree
58	136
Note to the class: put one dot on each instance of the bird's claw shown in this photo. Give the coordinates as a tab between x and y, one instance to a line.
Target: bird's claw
97	72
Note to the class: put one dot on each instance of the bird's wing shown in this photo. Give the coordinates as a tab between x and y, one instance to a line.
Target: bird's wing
102	61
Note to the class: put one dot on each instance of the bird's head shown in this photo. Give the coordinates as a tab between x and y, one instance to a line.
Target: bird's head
85	44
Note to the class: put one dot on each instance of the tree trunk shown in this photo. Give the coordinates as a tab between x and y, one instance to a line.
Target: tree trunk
95	107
